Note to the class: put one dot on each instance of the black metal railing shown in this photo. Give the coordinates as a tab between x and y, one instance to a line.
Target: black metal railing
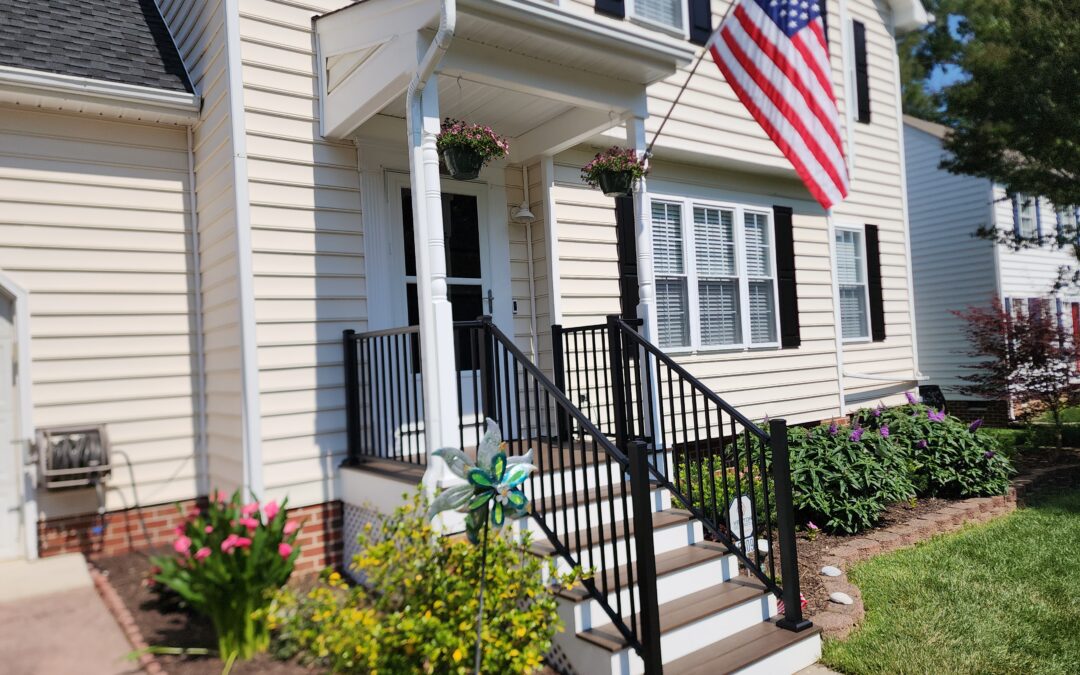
582	371
724	469
384	396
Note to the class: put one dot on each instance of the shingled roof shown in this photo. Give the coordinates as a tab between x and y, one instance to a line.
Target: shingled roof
123	41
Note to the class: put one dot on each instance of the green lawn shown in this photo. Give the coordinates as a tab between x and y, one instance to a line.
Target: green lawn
998	598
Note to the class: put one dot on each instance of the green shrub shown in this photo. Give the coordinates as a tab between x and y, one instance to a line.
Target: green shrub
230	558
947	457
715	496
845	477
417	611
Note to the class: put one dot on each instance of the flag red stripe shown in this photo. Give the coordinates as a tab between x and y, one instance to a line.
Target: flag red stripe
807	177
773	52
785	109
815	66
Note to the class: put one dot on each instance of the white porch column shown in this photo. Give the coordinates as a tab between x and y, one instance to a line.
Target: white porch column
635	138
436	319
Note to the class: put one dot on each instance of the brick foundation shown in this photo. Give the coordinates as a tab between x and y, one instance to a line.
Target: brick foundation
119	532
993	413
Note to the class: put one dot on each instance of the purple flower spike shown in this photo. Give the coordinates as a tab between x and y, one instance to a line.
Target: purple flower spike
922	445
911	398
856	435
877	412
884	430
975	425
936	415
989	454
833	429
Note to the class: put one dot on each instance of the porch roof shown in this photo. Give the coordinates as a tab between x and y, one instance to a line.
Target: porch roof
533	69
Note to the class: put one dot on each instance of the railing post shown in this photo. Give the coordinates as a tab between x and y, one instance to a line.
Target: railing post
618	388
646	558
486	348
352	398
785	523
558	357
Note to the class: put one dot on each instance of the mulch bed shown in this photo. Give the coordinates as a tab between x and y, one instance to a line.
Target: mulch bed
164	623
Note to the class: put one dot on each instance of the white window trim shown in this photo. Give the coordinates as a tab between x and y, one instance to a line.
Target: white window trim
861	230
683	32
686	214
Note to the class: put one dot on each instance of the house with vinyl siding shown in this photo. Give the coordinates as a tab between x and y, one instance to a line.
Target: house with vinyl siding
946	211
196	215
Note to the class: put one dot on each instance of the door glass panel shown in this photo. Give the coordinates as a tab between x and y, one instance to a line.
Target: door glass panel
461	230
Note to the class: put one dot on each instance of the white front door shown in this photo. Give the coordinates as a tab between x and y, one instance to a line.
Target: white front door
10	445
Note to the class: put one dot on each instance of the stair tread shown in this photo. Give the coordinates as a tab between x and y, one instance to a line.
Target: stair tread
683	611
738	651
661	519
666	563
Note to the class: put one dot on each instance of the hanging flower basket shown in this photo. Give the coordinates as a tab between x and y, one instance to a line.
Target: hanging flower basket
614	171
466	148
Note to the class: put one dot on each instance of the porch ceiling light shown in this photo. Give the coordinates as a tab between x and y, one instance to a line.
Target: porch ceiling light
522	214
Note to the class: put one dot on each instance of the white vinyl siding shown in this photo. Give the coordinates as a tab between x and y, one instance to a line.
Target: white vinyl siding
854	292
722	293
667	13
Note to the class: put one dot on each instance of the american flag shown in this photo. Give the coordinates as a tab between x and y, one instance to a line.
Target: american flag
775	56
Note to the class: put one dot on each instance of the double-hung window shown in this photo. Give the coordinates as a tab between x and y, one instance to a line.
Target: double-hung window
1027	225
716	279
665	13
1066	222
854	291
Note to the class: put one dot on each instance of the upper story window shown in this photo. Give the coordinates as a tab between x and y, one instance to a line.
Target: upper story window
715	275
854	290
666	13
1027	223
1066	221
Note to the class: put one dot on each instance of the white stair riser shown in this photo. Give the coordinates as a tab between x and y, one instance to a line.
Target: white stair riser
791	659
590	515
570	481
665	539
669	587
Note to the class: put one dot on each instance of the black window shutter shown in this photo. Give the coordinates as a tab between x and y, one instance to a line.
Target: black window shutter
700	12
825	20
862	74
615	8
626	241
785	277
873	281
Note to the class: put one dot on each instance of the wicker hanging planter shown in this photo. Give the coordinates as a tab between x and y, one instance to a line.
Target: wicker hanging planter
616	183
614	171
462	162
466	148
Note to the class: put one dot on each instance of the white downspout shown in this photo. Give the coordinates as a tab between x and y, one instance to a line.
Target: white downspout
533	335
202	464
427	210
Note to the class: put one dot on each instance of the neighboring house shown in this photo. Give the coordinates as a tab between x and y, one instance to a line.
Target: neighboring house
955	270
199	202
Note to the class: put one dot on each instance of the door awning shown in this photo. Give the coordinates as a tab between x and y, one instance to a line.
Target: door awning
560	72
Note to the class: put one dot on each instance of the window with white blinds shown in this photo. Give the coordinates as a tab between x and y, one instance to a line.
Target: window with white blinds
1028	214
715	277
851	277
663	12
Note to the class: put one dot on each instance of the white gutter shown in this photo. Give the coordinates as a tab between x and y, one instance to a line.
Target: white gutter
202	460
838	325
19	83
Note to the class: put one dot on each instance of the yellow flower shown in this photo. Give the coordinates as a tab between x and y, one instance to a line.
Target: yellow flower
457	654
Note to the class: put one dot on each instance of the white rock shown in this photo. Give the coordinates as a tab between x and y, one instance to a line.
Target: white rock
831	571
841	598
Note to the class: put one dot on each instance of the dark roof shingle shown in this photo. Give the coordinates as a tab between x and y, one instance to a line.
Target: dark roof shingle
122	41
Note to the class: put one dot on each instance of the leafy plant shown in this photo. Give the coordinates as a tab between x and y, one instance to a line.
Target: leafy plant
946	457
479	138
612	160
230	558
712	488
417	611
844	477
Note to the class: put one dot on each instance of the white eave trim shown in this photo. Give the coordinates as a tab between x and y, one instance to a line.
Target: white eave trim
24	86
908	15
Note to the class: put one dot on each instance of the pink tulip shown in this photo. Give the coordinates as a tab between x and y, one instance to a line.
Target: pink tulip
202	554
284	550
250	509
290	527
249	523
182	544
271	510
208	529
243	542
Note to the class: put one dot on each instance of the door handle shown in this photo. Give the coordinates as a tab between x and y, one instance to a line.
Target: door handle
491	301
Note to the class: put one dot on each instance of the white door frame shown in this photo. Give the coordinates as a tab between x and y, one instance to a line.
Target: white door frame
25	474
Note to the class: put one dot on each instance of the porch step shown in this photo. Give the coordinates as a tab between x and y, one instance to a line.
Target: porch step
666	564
763	649
661	520
705	604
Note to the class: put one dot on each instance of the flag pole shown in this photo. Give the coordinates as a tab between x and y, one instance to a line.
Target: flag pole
704	50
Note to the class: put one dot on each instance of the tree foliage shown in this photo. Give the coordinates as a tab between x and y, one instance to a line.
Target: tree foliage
1026	355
